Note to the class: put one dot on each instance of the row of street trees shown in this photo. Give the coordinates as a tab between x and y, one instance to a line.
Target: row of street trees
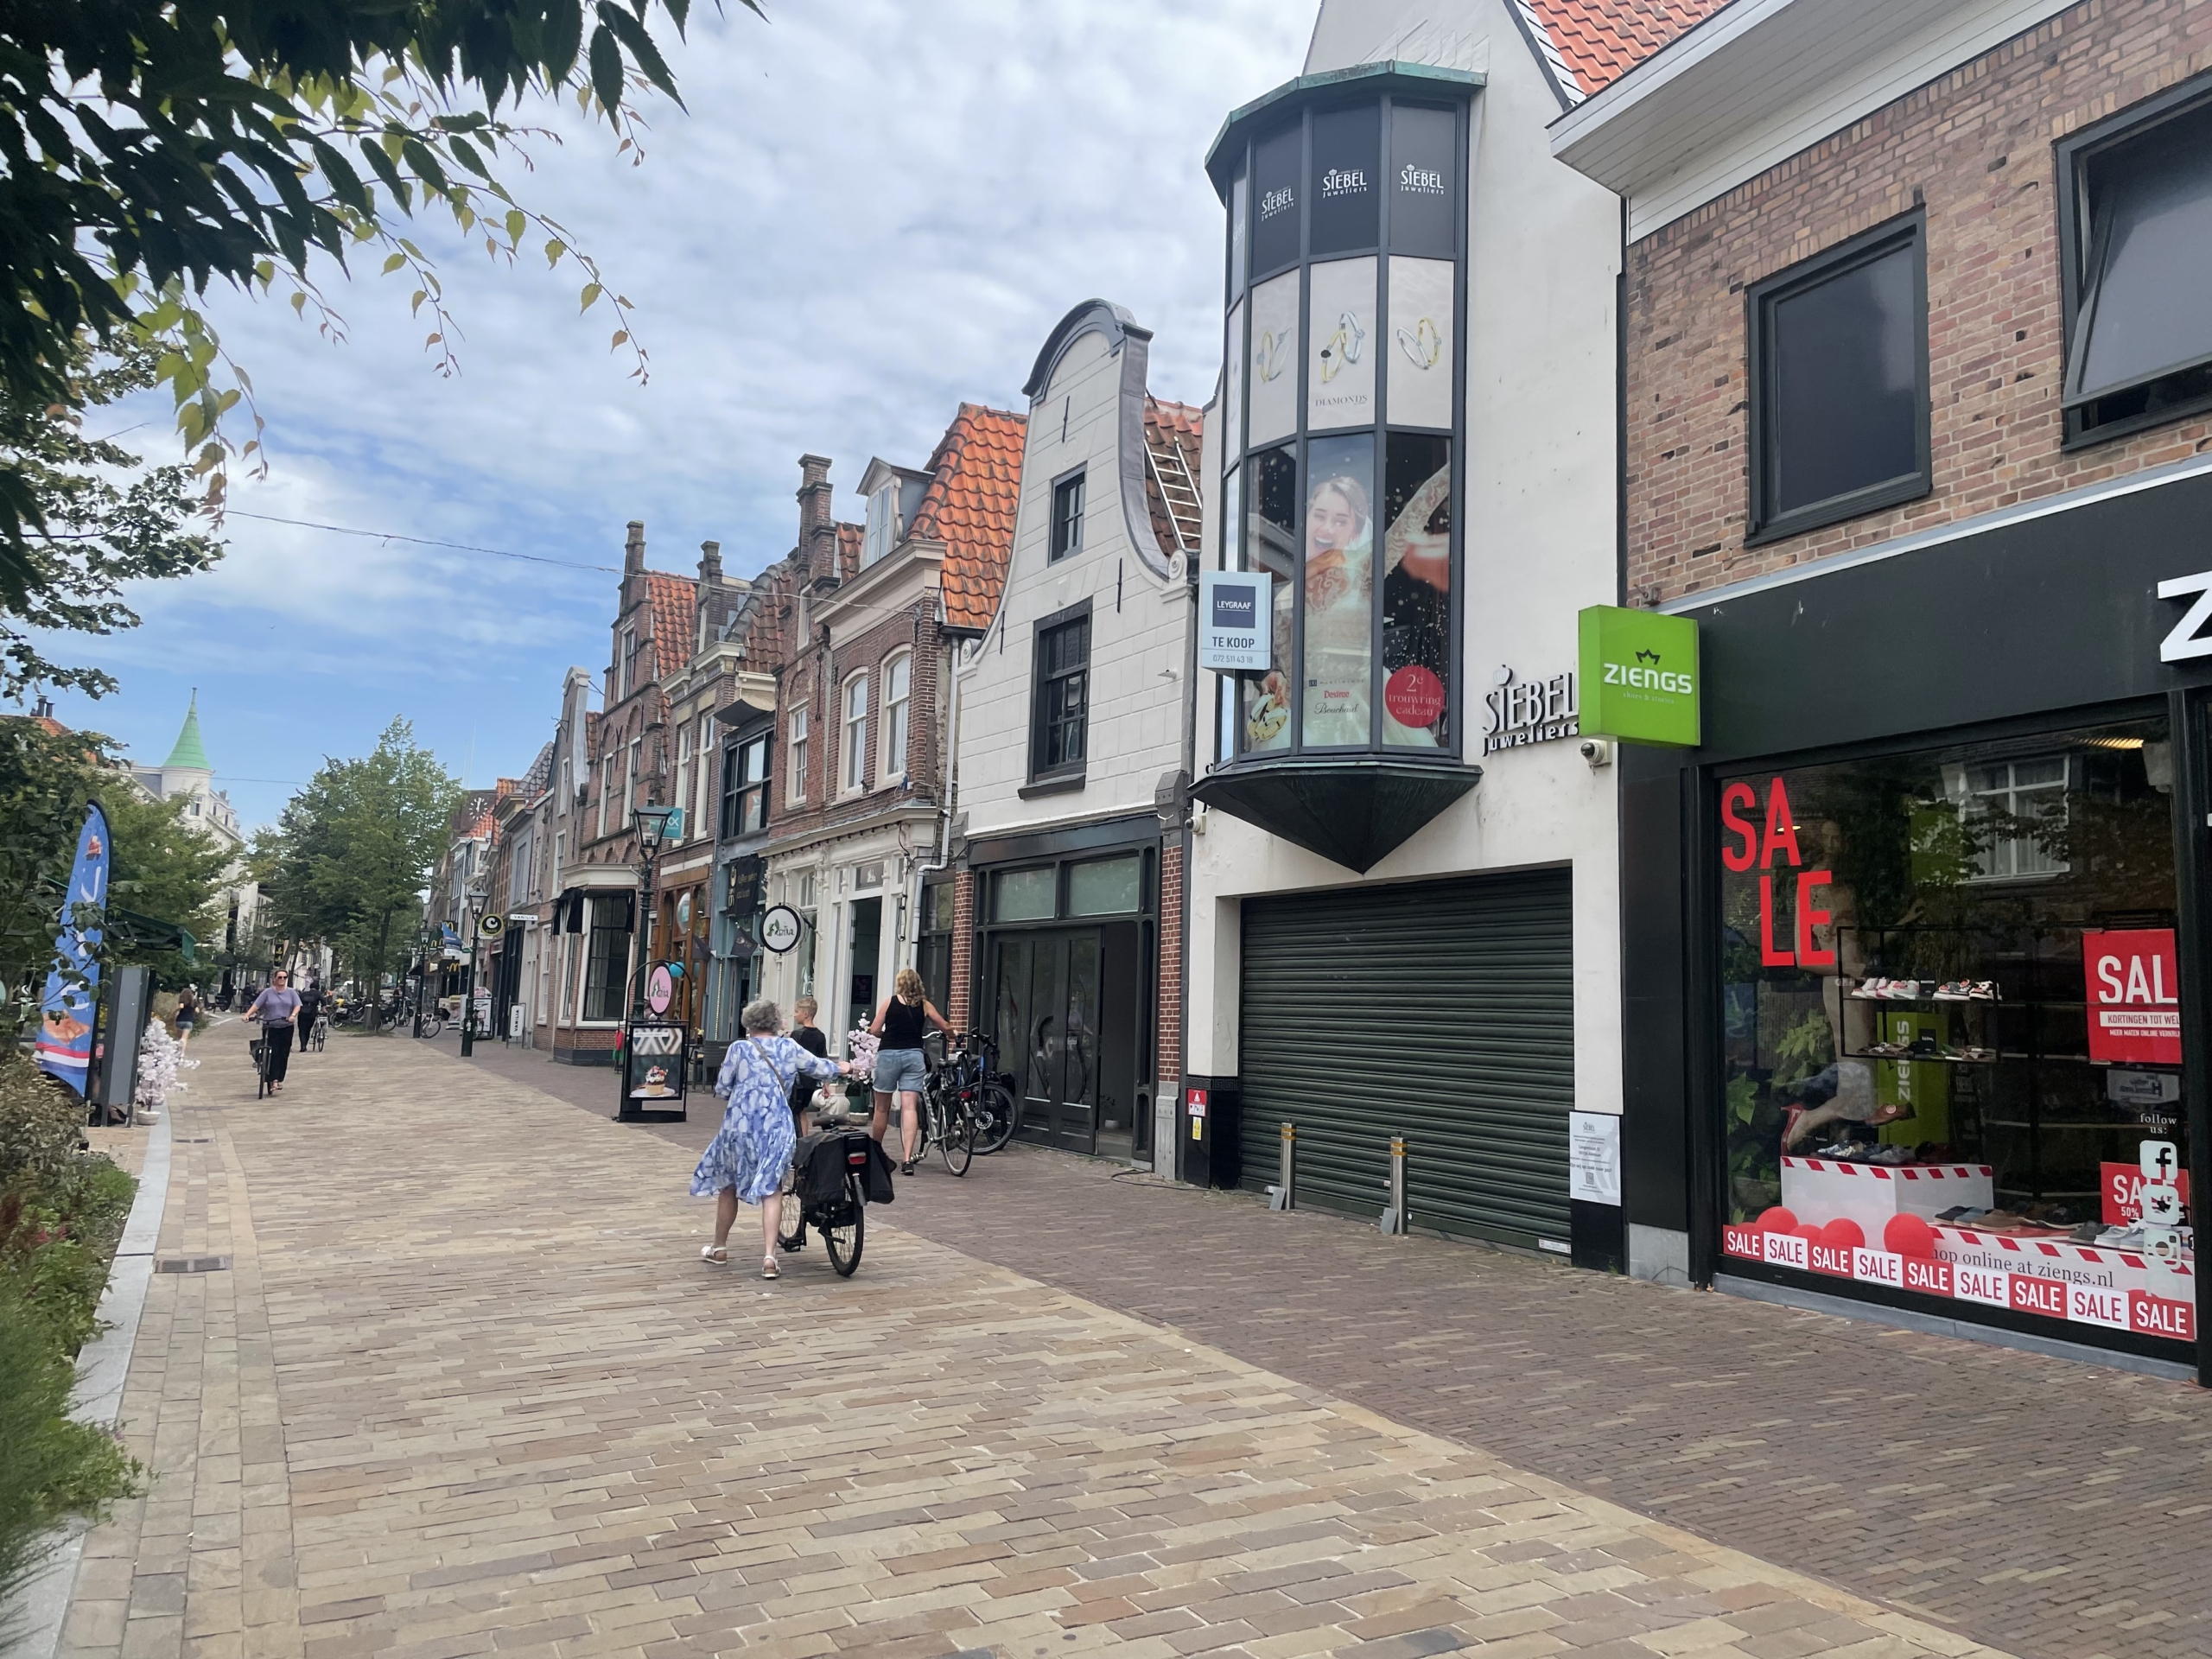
347	864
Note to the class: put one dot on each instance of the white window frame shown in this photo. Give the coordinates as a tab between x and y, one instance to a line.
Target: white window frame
683	771
630	782
2008	798
898	675
852	767
626	650
606	793
882	523
795	742
703	782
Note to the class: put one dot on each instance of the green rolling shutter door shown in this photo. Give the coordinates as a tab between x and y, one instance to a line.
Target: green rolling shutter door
1442	1011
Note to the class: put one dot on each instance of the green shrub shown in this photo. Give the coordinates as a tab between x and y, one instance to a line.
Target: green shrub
41	1122
50	1467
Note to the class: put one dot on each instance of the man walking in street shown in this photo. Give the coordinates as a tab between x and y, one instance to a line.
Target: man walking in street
277	1009
310	1006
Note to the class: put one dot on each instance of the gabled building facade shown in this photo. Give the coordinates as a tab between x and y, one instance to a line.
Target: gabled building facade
1065	920
1919	436
632	763
1403	845
861	754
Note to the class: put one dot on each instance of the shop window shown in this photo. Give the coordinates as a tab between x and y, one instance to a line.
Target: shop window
1336	594
1424	180
1063	698
1067	519
1839	382
1105	887
934	957
1950	1027
1275	219
1346	183
607	961
2136	219
1271	544
1240	206
1417	592
855	733
1025	895
897	692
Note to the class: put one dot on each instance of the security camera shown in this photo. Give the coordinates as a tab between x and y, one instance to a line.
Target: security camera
1597	752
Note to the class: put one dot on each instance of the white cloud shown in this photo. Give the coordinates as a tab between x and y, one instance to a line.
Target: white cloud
871	212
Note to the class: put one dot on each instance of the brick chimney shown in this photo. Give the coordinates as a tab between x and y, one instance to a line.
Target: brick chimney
817	525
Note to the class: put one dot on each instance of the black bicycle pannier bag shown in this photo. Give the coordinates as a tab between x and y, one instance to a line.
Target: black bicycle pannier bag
820	1161
879	1171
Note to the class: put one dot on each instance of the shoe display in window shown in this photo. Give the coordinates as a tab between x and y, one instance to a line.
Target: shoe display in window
1869	991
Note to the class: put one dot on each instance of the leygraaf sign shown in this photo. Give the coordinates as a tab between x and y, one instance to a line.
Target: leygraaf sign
1529	711
779	929
1234	617
1640	677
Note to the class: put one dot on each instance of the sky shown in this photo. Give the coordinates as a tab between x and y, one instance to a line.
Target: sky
871	212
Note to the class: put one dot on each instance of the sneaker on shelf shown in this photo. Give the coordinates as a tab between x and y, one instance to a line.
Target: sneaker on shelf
1902	990
1951	990
1870	991
1983	990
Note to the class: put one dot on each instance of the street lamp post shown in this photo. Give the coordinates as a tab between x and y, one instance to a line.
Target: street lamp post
651	822
477	899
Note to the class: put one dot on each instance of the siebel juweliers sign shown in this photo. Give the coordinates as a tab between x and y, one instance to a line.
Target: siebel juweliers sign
1640	676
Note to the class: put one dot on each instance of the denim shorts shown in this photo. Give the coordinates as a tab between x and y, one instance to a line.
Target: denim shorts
897	1069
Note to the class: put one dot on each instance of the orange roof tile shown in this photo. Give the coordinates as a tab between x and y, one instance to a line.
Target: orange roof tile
673	603
1597	42
970	506
851	539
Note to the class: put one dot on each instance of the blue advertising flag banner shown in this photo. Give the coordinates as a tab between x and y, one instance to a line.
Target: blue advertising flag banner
64	1038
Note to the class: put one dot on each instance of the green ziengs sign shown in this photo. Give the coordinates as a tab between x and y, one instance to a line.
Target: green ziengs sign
1640	676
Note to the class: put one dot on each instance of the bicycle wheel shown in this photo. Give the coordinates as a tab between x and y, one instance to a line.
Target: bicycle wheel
996	1118
957	1144
844	1235
434	1024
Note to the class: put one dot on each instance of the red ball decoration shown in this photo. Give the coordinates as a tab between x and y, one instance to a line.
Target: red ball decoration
1844	1234
1908	1235
1806	1230
1778	1220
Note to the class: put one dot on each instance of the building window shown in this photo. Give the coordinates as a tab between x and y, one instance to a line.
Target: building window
934	958
795	724
882	523
518	871
684	770
703	790
898	687
1067	516
606	793
2136	221
856	733
626	664
630	782
606	961
2014	815
1839	384
1063	698
745	787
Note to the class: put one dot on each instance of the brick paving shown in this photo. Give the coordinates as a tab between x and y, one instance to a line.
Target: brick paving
2058	1509
466	1388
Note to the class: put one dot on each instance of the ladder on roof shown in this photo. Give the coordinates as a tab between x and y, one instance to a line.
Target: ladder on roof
1171	475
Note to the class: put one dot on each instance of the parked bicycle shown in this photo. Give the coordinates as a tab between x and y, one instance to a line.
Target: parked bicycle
965	1107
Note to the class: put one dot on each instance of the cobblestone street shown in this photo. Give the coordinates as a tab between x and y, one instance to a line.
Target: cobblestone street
463	1387
2002	1493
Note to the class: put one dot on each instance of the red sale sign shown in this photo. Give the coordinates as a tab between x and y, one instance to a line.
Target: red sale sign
2122	1186
2134	980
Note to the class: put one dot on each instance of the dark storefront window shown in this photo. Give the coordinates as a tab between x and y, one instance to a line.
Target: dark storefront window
1345	191
1274	200
2141	214
607	961
1839	383
1951	1032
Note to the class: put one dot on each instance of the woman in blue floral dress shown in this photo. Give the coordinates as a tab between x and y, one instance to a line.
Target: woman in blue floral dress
748	1155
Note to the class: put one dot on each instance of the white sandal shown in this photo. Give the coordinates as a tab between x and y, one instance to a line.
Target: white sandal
769	1269
716	1253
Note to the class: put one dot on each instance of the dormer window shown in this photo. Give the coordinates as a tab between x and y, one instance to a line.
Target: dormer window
882	522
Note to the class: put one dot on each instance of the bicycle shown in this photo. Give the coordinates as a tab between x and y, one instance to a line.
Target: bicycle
319	1032
828	1191
998	1111
961	1106
258	1048
433	1022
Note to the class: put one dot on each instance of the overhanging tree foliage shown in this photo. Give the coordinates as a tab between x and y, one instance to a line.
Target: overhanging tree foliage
153	147
354	850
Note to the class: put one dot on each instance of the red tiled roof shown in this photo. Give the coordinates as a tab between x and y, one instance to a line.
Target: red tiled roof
1176	512
851	539
974	486
1599	40
673	602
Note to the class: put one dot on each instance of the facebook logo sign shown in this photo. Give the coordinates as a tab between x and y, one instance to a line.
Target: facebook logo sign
1234	607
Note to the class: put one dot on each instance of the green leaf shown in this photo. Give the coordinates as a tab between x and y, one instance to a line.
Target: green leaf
564	33
606	67
633	36
554	249
592	291
393	262
517	222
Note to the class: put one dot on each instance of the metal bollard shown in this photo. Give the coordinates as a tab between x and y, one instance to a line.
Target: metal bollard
1395	1219
1283	1195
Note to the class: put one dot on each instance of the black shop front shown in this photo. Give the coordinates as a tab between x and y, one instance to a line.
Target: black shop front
1915	969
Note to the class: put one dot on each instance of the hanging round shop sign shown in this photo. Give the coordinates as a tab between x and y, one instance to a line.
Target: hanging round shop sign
660	988
779	929
683	914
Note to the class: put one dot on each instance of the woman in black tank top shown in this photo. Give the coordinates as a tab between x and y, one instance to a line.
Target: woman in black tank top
903	1020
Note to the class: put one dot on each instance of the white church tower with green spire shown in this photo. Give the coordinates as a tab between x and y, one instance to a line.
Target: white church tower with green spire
186	772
